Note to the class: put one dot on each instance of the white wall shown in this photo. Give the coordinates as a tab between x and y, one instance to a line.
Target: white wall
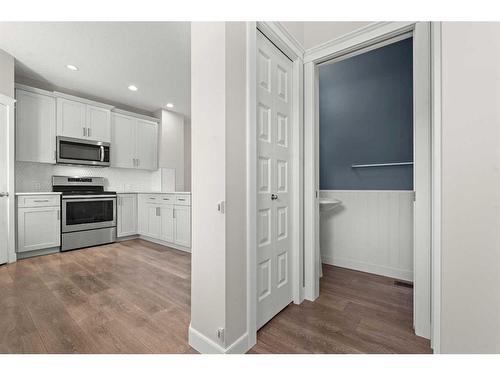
310	34
218	281
371	231
6	74
470	314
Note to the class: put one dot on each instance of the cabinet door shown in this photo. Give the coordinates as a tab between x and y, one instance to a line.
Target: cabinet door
38	228
147	139
142	215
35	127
98	123
154	221
71	118
127	215
167	223
182	231
123	130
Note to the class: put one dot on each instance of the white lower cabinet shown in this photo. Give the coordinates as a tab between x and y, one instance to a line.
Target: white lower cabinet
38	223
159	219
167	223
126	215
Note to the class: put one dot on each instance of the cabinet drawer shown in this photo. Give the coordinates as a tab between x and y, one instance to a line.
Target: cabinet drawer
39	201
183	200
151	198
167	199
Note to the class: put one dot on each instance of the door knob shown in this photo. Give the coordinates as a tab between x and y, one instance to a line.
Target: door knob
4	194
274	197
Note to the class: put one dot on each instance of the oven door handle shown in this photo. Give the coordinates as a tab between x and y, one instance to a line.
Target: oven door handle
88	197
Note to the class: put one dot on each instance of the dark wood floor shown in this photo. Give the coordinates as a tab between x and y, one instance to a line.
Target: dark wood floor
356	312
134	297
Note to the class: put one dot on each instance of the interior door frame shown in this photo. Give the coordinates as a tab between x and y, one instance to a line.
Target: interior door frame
9	102
423	246
283	40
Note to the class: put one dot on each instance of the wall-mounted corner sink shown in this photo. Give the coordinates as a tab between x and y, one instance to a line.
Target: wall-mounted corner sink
327	204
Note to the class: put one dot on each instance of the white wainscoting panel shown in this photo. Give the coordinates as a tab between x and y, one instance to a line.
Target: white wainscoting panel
371	231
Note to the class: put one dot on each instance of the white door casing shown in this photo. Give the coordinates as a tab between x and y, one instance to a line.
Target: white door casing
3	186
274	110
7	216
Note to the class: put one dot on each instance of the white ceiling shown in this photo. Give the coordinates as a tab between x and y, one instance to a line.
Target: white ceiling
154	56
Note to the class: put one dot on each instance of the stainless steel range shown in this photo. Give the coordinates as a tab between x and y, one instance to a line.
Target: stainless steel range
88	212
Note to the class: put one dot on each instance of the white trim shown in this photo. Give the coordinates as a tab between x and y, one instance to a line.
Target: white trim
35	90
362	37
311	183
281	37
204	345
366	191
251	204
137	115
62	95
422	180
166	244
395	273
11	230
436	186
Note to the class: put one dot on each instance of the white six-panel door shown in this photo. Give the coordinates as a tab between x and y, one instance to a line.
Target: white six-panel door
274	109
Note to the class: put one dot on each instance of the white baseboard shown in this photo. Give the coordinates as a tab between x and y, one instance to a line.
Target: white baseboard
370	268
154	240
204	345
168	244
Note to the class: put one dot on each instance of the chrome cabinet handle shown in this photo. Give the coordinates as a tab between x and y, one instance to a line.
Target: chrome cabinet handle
173	213
84	131
89	132
58	215
181	199
4	194
41	200
274	197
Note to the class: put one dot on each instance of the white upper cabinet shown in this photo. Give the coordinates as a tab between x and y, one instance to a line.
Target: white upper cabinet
98	123
35	127
147	143
134	142
78	119
123	141
71	118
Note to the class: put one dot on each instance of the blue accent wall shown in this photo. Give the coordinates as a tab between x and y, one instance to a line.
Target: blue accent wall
365	117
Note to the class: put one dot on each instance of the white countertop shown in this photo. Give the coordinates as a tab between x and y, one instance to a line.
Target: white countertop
39	193
153	192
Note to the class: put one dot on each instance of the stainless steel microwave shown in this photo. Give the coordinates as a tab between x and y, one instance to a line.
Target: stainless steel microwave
82	152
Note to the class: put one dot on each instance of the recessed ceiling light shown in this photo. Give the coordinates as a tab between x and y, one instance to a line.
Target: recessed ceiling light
72	67
170	105
133	88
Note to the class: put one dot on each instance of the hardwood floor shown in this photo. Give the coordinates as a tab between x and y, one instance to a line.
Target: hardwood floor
134	297
129	297
356	312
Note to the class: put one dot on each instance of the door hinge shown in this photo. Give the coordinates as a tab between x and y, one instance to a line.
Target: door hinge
220	335
221	207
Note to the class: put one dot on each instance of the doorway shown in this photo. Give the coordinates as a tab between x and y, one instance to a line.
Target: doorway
371	39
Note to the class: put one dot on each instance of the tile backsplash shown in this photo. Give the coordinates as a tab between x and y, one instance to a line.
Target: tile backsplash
34	177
